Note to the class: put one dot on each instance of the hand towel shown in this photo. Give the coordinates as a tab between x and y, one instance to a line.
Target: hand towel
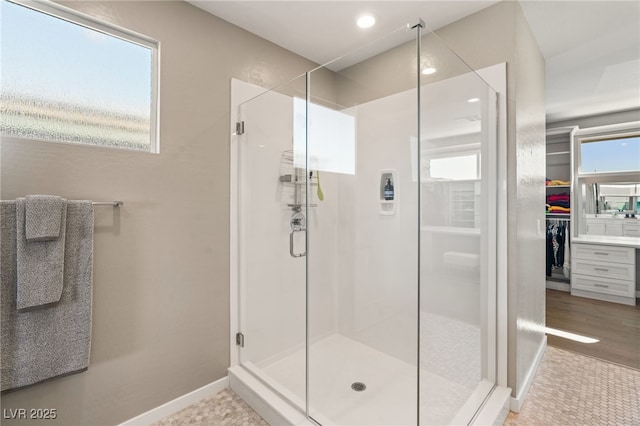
55	340
44	215
40	264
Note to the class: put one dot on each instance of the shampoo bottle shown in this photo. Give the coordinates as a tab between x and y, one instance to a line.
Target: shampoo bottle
388	190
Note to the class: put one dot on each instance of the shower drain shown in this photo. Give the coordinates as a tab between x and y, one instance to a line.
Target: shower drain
358	386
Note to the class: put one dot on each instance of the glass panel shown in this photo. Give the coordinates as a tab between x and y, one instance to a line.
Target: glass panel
457	242
65	82
272	240
613	155
363	246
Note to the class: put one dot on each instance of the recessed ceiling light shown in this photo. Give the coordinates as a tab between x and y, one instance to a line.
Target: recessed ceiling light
366	21
473	100
429	71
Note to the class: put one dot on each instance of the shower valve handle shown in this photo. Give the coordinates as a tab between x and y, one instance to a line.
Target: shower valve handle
291	252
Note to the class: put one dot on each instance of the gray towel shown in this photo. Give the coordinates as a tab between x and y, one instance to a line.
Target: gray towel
40	264
44	217
53	340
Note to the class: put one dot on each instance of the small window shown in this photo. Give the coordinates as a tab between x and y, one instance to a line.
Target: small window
331	138
612	155
67	78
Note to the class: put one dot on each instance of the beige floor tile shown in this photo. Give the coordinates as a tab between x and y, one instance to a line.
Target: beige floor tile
573	389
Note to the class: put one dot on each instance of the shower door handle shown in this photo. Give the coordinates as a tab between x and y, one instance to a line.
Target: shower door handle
291	252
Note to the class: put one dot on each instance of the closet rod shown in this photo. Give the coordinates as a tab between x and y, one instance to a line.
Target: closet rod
108	203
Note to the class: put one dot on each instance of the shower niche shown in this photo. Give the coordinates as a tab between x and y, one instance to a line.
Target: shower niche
337	285
388	192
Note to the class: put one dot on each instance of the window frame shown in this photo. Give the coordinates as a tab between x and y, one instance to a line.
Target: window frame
592	134
603	133
78	18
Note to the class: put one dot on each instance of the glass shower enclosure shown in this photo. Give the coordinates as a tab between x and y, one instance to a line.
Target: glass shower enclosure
366	236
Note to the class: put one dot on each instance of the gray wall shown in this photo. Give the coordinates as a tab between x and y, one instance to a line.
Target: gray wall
501	34
161	262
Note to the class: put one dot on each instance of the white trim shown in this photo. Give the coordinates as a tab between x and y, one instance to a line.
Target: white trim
610	131
264	401
496	76
178	404
85	20
495	410
558	285
517	401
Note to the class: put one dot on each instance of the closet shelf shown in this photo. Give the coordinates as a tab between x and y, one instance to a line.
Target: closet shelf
558	186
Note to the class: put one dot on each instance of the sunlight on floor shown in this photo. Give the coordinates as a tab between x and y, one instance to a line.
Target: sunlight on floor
572	336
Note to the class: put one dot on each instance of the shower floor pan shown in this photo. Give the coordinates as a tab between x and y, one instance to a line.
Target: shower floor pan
449	375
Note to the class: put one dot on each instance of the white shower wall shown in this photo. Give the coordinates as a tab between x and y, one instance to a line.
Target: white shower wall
377	258
363	266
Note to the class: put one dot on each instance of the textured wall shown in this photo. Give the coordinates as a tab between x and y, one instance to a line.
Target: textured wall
161	277
530	157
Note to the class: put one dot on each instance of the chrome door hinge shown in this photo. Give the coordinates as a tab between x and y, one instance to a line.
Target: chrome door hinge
240	340
239	128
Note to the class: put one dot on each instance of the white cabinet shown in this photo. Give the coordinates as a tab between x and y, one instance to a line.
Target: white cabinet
631	228
604	272
613	227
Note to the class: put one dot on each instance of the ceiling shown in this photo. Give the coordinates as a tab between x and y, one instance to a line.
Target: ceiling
591	48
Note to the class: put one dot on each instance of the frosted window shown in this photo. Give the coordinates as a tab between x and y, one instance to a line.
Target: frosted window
463	167
613	155
62	81
332	138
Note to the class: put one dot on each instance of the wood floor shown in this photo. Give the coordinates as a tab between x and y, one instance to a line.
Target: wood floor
616	326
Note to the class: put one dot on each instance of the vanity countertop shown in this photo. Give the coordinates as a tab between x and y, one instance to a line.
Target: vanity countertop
611	217
608	240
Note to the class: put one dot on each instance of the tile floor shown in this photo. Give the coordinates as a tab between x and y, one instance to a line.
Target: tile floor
225	408
569	389
573	389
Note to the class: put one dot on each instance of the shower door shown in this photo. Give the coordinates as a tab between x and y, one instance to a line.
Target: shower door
271	234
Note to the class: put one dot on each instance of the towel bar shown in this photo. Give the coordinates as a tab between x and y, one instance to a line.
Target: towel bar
108	203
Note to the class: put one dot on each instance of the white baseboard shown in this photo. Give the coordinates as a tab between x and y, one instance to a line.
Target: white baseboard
178	404
516	402
557	285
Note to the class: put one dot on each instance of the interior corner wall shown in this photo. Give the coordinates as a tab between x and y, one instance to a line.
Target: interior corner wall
161	262
497	34
530	189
